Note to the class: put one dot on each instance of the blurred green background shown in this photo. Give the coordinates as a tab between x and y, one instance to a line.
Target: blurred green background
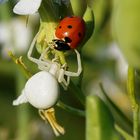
103	63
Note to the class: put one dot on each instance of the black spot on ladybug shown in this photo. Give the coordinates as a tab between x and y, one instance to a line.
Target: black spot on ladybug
79	34
67	40
59	27
69	26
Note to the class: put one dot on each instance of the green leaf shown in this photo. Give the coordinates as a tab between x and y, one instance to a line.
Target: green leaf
78	7
100	8
126	29
99	121
117	113
89	19
123	133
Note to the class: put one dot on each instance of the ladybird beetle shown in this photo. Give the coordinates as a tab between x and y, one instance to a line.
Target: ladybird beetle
69	33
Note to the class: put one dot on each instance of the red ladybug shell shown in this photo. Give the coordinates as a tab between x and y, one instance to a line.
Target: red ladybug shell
72	27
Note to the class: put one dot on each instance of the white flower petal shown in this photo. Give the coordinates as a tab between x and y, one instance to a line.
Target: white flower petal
22	35
27	7
4	32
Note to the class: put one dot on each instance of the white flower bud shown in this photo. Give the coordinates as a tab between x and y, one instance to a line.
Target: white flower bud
27	7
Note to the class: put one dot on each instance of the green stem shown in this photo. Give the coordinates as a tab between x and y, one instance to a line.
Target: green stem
136	122
61	57
123	133
5	12
19	62
71	109
77	92
134	104
22	111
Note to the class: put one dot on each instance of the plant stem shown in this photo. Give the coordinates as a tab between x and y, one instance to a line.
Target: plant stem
61	57
136	122
134	104
5	15
71	109
20	63
77	92
22	111
123	133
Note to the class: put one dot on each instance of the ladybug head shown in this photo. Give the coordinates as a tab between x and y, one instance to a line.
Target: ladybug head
62	45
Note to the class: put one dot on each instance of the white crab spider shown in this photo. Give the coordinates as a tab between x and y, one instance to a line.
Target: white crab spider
42	90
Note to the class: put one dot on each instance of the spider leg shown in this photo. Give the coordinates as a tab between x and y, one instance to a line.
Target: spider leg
55	59
42	57
65	82
75	74
21	99
61	79
35	60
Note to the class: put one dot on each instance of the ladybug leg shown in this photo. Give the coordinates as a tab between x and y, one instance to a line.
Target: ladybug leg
75	74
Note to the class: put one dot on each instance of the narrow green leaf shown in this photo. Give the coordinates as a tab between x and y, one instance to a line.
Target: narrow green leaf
125	25
117	113
22	111
123	133
78	7
89	19
133	100
99	121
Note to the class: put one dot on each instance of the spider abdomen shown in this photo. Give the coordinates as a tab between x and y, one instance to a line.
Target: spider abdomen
42	90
